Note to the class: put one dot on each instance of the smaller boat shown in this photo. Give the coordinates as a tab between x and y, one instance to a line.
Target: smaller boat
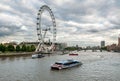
65	64
37	56
73	54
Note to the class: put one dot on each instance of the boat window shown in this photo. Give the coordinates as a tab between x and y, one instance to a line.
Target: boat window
71	63
75	62
68	63
58	63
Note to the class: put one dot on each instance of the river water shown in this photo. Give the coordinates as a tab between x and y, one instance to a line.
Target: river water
97	66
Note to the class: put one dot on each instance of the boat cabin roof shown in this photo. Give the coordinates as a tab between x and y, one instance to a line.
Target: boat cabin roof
66	61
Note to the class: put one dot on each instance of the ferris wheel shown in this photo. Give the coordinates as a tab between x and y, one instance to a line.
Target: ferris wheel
45	32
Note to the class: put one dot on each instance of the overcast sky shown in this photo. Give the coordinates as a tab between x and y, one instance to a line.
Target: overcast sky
82	22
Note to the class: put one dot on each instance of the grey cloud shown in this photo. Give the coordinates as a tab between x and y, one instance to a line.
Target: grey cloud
24	13
93	31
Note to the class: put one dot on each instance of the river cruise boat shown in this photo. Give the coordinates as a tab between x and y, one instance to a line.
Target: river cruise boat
65	64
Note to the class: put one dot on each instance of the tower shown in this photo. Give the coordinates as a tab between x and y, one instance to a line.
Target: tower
119	40
102	43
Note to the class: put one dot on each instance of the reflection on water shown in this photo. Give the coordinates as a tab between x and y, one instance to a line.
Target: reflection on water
97	66
3	58
13	58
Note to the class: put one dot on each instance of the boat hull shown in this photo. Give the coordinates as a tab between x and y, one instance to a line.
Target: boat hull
73	54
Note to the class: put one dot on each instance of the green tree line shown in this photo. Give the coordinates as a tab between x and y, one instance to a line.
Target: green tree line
18	48
71	48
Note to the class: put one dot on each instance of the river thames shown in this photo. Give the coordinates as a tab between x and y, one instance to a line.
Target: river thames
97	66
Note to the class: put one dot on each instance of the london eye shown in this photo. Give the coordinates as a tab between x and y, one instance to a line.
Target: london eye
45	32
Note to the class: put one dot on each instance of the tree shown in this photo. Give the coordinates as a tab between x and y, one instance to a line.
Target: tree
23	48
10	48
18	48
2	48
104	48
28	49
70	48
33	48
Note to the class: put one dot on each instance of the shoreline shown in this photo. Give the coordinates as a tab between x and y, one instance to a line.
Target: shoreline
15	54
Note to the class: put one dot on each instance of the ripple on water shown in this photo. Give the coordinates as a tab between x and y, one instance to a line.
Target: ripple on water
97	66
